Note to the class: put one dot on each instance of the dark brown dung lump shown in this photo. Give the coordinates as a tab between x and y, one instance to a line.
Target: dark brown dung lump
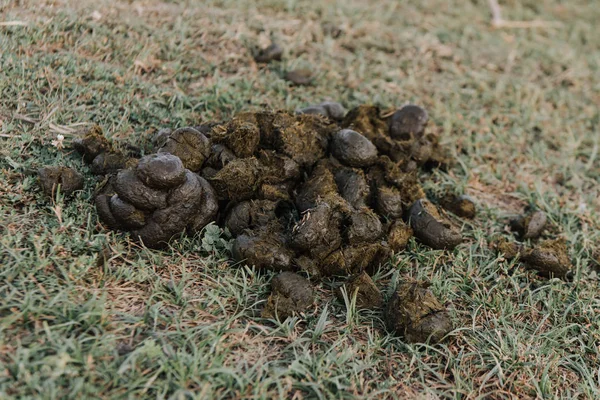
368	296
409	122
462	206
416	314
51	178
431	227
157	200
530	225
292	294
191	146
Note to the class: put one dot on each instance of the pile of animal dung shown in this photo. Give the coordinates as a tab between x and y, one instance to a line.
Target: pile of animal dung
320	192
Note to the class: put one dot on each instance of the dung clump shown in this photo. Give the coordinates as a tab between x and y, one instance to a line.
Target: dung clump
416	314
353	149
328	109
190	145
320	191
461	206
431	227
549	258
100	153
157	200
408	123
300	77
53	178
273	52
291	295
368	296
530	225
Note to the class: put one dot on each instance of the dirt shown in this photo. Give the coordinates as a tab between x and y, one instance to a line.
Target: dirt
63	179
292	295
414	313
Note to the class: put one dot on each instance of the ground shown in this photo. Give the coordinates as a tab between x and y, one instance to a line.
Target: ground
86	313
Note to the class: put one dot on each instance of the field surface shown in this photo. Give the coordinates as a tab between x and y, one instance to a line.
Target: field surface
87	313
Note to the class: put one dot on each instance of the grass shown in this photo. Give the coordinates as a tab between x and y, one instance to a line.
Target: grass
86	313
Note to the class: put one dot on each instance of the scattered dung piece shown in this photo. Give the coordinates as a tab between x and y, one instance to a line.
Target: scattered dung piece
51	178
353	187
431	227
240	135
160	137
414	313
331	29
320	187
238	180
353	149
550	259
92	143
389	202
367	121
300	77
509	249
398	235
368	296
292	295
363	226
302	138
265	249
530	225
350	260
408	123
110	163
161	171
318	233
219	156
462	206
250	215
273	52
156	200
191	146
329	109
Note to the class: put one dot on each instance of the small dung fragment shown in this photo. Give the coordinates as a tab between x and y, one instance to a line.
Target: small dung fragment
92	143
408	123
329	109
353	149
461	206
530	225
398	235
414	313
431	227
300	77
50	178
191	146
368	296
265	249
273	52
109	163
550	259
292	295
